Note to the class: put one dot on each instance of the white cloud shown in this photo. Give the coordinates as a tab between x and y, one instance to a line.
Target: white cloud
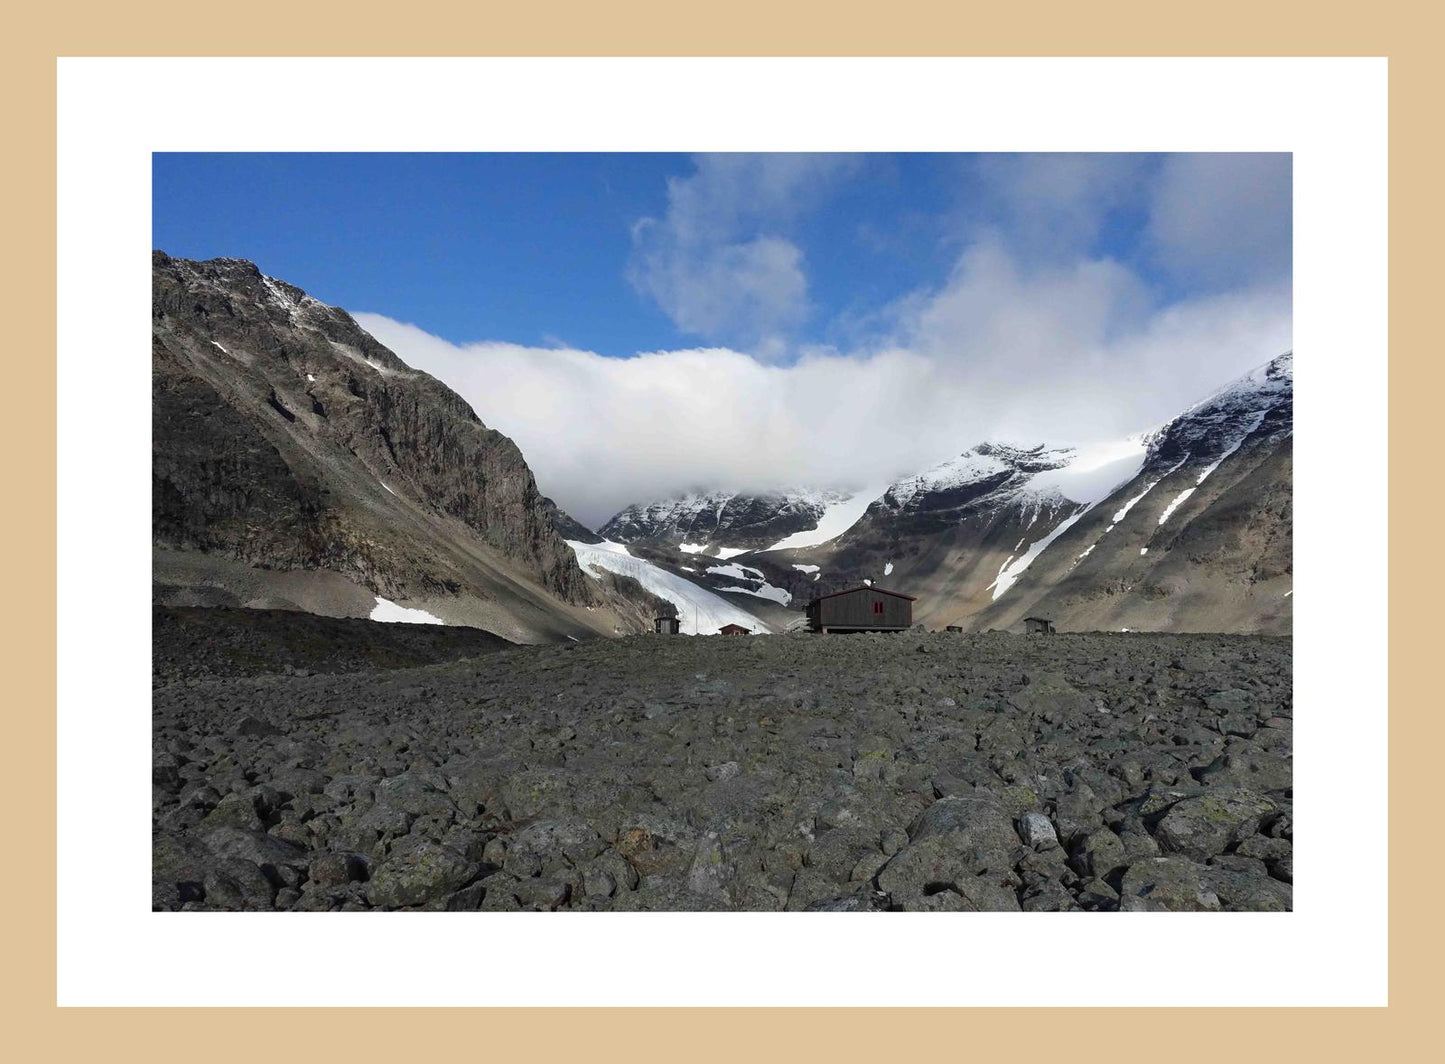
718	262
1063	354
755	289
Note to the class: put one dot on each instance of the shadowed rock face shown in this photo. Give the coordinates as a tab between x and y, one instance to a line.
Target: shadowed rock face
920	772
286	437
567	526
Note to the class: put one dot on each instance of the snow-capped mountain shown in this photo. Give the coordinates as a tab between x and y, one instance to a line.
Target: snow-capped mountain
1183	527
1260	405
1200	540
722	522
992	477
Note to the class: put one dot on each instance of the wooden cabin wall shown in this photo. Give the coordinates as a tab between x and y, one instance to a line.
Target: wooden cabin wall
855	610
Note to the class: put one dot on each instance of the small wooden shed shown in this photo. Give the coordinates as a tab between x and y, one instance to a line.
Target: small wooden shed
861	609
733	629
665	625
1038	626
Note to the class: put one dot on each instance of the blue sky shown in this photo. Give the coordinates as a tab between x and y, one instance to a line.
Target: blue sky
972	296
532	248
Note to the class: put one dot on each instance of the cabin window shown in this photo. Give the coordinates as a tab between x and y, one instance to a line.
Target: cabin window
878	608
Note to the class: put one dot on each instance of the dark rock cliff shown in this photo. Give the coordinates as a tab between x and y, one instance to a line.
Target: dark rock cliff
285	436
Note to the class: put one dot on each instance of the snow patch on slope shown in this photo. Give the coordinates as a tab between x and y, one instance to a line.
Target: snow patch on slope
737	572
767	591
1174	504
744	572
1009	575
386	610
1246	434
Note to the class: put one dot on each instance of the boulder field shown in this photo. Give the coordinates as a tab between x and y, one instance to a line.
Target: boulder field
923	771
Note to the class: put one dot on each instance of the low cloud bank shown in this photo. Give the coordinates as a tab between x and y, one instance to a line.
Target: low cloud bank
1093	296
1060	355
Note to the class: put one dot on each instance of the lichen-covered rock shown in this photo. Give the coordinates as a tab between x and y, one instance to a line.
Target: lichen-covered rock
959	845
1166	884
1207	825
1099	854
416	874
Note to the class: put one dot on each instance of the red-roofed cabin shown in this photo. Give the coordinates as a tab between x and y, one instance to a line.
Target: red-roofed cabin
861	609
733	629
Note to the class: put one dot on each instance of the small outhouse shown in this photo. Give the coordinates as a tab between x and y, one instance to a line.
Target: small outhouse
1038	626
665	625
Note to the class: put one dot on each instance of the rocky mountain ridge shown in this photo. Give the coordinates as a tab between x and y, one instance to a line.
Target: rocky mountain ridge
297	456
727	519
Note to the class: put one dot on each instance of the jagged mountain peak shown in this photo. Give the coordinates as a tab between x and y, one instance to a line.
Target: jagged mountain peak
725	519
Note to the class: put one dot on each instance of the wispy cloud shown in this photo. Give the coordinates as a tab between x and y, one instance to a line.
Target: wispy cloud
718	261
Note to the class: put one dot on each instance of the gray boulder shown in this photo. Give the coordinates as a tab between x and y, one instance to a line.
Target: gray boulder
959	845
417	874
1166	884
1099	854
1037	831
1201	827
551	844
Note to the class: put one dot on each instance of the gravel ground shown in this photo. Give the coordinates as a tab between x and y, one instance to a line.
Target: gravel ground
870	773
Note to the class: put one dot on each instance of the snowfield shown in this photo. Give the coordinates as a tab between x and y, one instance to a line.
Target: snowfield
1091	473
699	611
837	519
744	572
386	610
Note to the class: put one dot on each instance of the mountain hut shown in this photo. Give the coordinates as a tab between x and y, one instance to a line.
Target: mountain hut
861	609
